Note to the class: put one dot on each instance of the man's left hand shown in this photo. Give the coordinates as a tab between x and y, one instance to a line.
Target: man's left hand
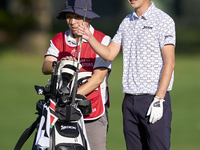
155	110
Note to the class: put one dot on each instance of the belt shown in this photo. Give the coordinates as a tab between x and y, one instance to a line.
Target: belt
137	94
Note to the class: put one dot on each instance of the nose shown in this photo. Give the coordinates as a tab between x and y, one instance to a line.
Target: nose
72	20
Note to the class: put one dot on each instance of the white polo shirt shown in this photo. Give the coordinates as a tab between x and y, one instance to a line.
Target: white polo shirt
142	39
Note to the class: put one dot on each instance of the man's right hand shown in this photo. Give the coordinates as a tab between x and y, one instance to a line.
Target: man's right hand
84	31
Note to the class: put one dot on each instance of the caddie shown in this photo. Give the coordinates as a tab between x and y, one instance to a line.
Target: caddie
65	45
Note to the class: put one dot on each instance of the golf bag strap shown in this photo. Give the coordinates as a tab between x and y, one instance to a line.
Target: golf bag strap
26	134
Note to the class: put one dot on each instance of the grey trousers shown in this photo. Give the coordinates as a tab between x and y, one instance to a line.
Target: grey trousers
96	132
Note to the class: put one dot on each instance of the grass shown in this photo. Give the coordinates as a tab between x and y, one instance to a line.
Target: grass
19	73
185	103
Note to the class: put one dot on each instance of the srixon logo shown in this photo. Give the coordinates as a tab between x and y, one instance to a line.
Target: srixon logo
67	127
147	27
156	104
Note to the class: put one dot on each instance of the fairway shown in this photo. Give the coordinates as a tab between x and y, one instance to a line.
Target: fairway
19	74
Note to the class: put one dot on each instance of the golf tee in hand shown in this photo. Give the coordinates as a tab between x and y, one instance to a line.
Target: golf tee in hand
155	111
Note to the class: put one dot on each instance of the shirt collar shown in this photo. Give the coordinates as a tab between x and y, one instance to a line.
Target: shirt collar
146	14
71	41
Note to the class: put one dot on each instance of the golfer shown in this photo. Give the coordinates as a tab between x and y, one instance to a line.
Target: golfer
147	38
65	45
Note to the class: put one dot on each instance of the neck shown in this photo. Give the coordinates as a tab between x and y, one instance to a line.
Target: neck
141	10
76	38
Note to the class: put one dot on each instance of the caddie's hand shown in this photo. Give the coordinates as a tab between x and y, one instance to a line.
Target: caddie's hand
69	58
84	31
155	110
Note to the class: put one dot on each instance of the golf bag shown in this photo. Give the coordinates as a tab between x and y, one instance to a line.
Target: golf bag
60	124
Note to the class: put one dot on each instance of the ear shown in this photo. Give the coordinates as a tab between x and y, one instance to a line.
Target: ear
88	20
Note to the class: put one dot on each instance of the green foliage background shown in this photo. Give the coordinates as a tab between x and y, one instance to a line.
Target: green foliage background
20	69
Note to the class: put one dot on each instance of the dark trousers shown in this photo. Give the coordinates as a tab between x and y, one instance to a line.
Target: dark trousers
138	132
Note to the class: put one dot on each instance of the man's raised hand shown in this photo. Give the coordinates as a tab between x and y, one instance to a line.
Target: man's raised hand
84	31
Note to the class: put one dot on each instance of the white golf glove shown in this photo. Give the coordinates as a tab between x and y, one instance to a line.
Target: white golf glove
155	110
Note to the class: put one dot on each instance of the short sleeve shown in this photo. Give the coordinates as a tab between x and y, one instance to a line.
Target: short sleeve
56	45
167	32
52	50
99	62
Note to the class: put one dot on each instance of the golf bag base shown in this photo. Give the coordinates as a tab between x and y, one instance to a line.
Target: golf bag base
64	146
66	133
69	132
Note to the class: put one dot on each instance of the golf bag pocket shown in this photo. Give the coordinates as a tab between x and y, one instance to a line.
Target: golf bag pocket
84	104
67	136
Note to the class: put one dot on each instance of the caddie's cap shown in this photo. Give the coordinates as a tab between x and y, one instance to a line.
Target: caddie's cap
77	7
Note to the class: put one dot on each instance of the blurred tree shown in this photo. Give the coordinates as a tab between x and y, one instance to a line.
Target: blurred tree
15	20
112	13
177	7
36	39
30	22
27	23
2	4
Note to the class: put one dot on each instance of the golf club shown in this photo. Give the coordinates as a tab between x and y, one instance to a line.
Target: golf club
79	54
